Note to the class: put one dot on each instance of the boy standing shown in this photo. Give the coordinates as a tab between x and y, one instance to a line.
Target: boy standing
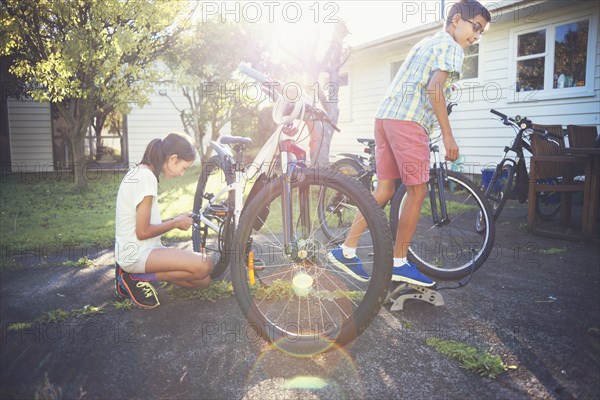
413	105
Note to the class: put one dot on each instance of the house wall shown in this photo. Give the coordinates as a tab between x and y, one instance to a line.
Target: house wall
155	120
30	128
481	138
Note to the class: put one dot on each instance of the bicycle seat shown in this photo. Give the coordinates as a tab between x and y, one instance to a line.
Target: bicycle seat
366	141
233	140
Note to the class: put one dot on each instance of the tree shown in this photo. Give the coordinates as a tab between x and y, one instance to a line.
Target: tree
204	64
330	64
88	57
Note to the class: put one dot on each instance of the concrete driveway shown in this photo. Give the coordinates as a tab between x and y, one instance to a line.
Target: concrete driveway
535	303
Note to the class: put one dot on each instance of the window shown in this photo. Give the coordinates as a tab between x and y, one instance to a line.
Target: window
556	59
105	141
531	58
470	68
570	54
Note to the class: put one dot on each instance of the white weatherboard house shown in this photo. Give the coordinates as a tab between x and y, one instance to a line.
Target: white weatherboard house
514	69
540	59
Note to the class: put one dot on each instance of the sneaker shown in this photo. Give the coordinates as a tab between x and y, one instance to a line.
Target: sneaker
410	274
352	266
121	292
142	293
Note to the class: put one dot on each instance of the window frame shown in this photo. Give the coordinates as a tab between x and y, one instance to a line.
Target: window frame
549	92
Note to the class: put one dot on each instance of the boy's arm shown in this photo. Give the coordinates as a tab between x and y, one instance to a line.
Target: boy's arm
435	90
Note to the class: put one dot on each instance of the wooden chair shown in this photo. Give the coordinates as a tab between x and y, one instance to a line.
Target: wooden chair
582	136
549	161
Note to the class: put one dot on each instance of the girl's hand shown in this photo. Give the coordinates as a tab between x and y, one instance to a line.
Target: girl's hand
183	221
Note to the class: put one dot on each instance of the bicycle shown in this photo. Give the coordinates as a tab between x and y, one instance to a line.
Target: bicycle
448	244
282	280
501	184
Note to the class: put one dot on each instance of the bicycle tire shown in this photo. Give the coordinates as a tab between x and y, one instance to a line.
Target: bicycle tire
348	167
214	177
547	204
499	188
342	307
457	249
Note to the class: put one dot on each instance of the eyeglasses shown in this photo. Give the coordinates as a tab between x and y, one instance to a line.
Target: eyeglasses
477	28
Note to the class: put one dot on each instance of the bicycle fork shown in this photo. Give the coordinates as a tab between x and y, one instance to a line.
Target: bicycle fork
437	178
287	147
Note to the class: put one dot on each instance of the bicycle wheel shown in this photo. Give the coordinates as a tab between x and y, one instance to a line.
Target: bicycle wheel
289	292
216	243
499	188
455	248
547	204
337	205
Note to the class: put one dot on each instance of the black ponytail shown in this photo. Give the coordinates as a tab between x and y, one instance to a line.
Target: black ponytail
159	150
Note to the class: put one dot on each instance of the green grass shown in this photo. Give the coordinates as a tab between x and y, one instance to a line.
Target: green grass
60	315
83	262
470	358
86	311
57	315
554	250
19	326
47	390
126	304
39	213
283	290
215	291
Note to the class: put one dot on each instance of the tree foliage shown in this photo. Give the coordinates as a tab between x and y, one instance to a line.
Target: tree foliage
204	65
88	57
314	66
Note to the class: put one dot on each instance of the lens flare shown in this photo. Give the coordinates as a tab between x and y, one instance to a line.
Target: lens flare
276	374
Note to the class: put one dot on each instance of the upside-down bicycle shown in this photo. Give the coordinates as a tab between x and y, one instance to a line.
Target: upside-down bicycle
272	240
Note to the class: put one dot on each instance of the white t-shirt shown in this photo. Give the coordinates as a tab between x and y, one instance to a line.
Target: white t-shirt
138	183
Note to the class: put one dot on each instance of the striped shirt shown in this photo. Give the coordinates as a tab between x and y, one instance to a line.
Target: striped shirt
407	97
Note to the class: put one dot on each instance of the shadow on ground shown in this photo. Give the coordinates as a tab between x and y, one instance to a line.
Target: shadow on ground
535	303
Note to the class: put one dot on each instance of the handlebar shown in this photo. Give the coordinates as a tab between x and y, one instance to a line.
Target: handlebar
523	124
254	74
268	85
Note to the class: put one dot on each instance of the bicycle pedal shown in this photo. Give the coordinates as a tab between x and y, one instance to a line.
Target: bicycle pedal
219	210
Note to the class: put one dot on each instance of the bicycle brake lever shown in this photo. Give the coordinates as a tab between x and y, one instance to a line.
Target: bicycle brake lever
550	137
321	115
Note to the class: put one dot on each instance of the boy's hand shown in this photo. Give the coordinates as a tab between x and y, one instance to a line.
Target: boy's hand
183	221
451	147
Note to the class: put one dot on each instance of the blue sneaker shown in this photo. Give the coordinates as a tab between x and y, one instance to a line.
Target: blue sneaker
352	266
410	274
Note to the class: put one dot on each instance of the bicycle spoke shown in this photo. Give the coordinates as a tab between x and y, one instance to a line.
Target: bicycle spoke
298	289
445	250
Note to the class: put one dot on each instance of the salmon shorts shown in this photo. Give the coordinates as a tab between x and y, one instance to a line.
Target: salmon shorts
401	151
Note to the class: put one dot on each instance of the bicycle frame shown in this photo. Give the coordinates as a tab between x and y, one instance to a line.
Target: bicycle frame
269	151
437	175
280	146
